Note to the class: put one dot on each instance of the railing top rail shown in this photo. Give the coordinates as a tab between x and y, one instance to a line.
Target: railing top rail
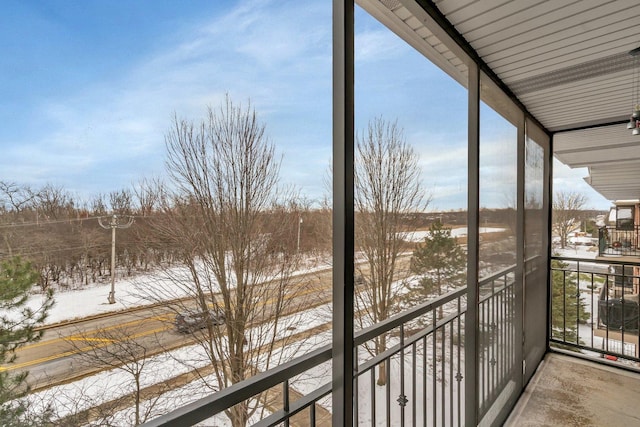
611	261
408	315
379	328
217	402
499	273
615	227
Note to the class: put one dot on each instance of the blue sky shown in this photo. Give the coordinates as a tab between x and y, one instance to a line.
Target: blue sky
89	89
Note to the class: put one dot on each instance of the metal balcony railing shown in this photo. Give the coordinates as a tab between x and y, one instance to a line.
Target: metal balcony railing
423	368
621	242
594	308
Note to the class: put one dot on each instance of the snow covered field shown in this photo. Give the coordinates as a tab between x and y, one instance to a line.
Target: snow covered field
418	236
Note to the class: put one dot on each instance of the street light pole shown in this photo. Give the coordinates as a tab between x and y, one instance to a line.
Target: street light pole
113	225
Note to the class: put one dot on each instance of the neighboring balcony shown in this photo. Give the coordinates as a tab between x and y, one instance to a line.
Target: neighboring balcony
594	308
614	241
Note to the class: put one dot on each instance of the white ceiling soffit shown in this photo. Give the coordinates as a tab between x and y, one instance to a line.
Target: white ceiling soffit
612	155
567	62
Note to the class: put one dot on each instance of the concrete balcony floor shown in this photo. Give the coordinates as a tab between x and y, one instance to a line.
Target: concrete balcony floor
568	391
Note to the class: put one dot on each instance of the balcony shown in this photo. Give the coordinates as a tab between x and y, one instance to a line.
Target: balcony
425	363
466	357
424	366
613	241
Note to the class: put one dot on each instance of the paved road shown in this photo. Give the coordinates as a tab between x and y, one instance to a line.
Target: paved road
56	359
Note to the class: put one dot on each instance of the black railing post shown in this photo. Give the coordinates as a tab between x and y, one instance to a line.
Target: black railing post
602	240
343	213
473	220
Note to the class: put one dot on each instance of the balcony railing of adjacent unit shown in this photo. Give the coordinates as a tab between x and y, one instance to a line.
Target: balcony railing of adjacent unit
594	308
614	241
423	365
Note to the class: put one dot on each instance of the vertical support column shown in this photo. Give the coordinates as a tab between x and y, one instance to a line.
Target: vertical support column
473	222
343	212
520	253
548	208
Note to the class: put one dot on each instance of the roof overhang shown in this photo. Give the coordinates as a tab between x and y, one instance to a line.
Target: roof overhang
566	63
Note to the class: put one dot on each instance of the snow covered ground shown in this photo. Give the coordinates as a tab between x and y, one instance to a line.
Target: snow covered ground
418	236
89	392
92	299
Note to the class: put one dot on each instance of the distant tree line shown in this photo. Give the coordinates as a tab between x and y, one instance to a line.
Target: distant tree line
60	235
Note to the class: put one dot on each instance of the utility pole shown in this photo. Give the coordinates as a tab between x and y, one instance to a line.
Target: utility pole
299	225
114	224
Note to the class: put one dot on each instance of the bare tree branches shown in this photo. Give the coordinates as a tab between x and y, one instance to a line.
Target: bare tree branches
228	220
566	213
387	189
118	348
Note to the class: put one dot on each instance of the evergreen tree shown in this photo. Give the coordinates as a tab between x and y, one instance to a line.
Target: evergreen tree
567	309
440	261
17	328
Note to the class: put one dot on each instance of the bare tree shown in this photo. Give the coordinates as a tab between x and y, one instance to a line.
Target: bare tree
147	194
14	197
54	202
227	229
387	190
567	207
117	348
16	202
121	202
98	205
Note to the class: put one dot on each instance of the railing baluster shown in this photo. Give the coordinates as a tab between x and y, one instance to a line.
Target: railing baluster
424	380
434	371
356	377
481	350
494	340
564	306
444	370
505	325
450	372
285	400
459	374
607	309
414	377
373	395
387	367
402	399
621	328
